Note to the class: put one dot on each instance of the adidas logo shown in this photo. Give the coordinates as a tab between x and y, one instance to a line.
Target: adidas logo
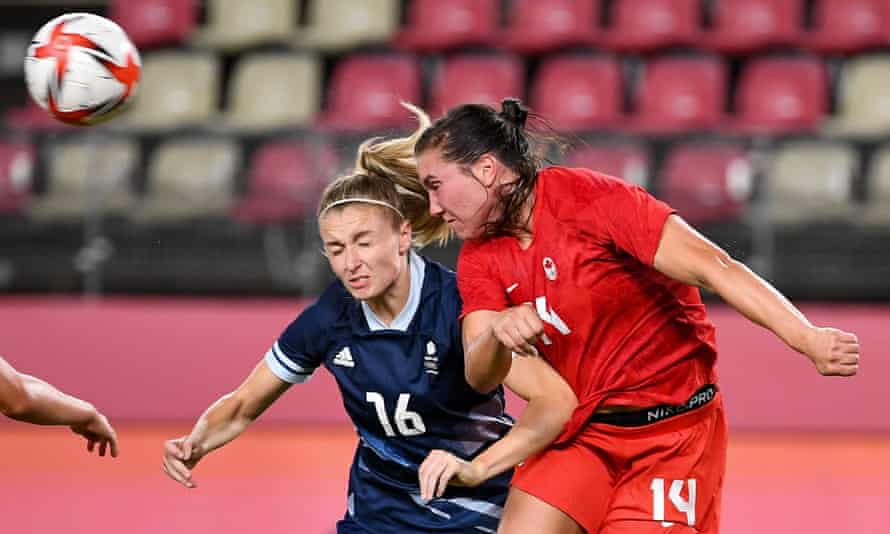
344	358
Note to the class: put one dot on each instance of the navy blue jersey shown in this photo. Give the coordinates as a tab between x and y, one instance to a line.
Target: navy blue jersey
403	385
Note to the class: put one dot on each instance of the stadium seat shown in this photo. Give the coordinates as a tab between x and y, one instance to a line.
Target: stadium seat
811	181
176	89
341	24
877	206
82	178
849	26
365	90
285	181
436	25
482	79
274	91
781	95
745	26
622	160
16	175
151	23
863	103
647	25
189	179
577	93
236	24
677	94
537	26
32	117
707	183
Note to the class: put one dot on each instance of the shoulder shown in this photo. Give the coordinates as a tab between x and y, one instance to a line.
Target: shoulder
330	307
567	181
439	279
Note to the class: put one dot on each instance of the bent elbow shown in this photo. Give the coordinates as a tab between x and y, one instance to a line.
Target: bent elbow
480	384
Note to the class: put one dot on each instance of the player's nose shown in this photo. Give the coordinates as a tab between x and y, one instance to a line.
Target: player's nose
436	209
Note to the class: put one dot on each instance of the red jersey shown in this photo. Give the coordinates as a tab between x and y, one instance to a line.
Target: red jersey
615	328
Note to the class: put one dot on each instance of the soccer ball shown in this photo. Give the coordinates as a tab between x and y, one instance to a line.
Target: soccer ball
82	68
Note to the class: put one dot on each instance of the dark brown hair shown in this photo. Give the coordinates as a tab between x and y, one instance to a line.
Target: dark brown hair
469	131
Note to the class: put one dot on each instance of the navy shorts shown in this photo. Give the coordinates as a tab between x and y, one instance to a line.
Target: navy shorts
386	499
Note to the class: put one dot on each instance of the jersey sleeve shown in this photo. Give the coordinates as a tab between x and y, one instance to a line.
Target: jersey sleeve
478	286
298	352
623	214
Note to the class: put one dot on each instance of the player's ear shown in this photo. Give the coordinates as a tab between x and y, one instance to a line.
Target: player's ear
485	169
404	237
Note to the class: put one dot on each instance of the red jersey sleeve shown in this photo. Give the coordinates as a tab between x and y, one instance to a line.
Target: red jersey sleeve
479	287
624	214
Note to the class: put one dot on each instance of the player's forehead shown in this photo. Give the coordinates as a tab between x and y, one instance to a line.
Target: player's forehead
352	221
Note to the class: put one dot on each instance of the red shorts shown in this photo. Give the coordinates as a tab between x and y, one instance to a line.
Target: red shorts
614	479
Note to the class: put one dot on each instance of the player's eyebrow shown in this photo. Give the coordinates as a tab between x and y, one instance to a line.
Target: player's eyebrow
356	237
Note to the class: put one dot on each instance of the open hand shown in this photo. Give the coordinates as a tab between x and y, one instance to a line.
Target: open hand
441	468
180	457
97	430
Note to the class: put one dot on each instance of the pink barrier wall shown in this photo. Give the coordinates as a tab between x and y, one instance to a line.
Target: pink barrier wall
167	359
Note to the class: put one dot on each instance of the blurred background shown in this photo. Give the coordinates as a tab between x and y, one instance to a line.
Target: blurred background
147	264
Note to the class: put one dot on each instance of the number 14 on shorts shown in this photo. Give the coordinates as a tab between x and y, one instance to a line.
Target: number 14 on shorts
686	506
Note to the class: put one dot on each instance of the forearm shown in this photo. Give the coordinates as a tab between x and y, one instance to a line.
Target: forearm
222	422
539	425
487	362
41	403
758	301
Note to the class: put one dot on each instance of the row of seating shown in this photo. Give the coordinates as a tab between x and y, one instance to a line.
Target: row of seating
190	178
532	26
577	92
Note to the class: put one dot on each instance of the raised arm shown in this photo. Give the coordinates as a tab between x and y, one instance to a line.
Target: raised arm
550	406
222	422
32	400
687	256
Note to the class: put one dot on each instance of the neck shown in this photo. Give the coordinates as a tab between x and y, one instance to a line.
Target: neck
525	214
391	302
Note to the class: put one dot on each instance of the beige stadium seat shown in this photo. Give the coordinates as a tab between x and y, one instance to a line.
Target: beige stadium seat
877	206
811	182
273	91
189	179
235	24
340	24
863	99
82	178
177	89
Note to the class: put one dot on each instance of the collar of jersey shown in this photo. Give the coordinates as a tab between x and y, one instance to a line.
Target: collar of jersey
416	269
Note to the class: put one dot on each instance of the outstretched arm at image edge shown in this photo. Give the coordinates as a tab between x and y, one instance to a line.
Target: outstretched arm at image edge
222	422
550	406
687	256
32	400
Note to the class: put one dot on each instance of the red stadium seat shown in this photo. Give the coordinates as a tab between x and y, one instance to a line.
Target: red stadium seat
645	25
155	22
435	25
627	161
846	26
707	183
578	93
781	95
33	117
744	26
677	94
16	173
284	182
478	80
542	25
365	90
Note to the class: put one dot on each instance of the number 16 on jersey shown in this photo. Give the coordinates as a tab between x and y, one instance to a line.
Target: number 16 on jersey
409	423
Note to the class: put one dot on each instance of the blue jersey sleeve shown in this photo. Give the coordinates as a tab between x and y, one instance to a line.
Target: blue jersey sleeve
300	349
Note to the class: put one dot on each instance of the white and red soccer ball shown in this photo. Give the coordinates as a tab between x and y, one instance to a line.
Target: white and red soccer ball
82	68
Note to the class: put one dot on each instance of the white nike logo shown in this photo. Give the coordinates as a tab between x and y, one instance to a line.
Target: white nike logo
511	288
